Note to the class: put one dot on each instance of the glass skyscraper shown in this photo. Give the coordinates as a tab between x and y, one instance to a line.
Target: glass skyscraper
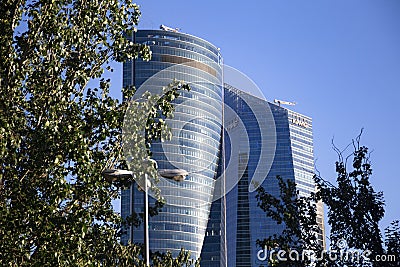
196	141
234	159
293	160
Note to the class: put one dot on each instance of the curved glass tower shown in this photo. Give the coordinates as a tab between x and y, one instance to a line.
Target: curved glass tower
196	129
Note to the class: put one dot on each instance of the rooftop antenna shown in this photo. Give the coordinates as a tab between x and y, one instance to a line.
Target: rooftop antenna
168	29
284	102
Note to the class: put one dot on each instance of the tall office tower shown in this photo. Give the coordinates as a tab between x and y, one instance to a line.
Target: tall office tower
293	160
195	145
214	253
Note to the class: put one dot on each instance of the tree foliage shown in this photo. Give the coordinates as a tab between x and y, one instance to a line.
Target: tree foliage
392	242
354	208
57	134
299	217
354	212
166	259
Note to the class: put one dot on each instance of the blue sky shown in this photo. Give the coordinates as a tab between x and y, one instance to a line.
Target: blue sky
339	60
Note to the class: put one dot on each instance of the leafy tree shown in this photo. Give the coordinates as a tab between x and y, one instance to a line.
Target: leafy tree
166	259
354	208
57	135
392	243
299	217
354	212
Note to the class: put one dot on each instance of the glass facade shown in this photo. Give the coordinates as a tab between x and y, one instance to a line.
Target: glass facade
222	232
195	145
213	253
293	160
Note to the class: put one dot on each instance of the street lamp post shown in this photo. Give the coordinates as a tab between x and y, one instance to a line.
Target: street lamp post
146	222
113	175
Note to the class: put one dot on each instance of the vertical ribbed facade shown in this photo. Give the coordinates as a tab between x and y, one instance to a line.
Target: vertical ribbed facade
293	160
213	253
301	137
195	145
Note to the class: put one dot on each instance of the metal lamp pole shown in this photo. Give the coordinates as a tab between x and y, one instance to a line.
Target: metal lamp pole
146	223
112	175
